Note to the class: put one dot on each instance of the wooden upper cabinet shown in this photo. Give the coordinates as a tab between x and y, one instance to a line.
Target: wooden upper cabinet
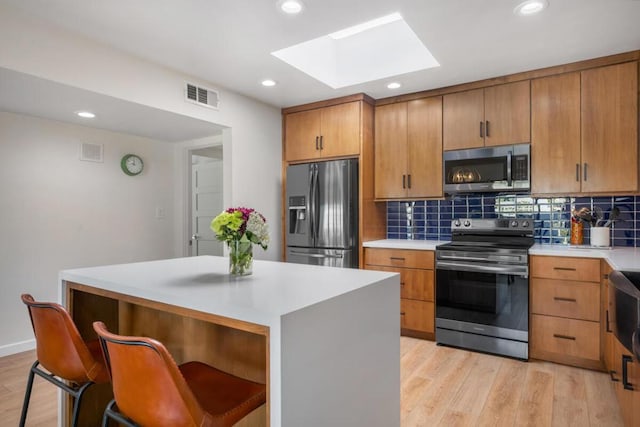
584	131
609	110
507	114
463	114
408	149
390	150
332	131
301	132
340	130
555	134
496	115
424	147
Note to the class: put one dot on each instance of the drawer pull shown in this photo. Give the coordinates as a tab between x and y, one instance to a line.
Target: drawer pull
564	337
565	299
402	313
401	283
394	258
564	268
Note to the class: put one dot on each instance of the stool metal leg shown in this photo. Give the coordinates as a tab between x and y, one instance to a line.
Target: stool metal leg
76	404
27	394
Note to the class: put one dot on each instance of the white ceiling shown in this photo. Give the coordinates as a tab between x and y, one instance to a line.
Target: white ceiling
229	43
21	93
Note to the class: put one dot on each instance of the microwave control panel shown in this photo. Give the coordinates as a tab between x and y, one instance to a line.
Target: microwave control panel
520	167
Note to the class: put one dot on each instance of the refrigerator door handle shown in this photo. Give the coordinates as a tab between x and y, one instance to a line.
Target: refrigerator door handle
316	201
311	202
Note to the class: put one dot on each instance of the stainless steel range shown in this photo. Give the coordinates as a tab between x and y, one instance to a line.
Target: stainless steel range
482	286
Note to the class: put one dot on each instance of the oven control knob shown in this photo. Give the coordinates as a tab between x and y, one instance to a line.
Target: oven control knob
514	223
467	223
525	224
456	223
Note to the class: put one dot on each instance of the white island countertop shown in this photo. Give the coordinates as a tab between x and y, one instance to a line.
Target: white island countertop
203	283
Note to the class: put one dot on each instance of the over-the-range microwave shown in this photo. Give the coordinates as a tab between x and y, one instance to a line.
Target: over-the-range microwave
488	169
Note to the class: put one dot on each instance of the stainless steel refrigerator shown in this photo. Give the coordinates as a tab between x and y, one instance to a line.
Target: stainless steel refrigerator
322	217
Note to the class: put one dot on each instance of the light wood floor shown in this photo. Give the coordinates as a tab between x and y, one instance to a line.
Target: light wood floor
451	387
440	386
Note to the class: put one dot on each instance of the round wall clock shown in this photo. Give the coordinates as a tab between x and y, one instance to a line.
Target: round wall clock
131	164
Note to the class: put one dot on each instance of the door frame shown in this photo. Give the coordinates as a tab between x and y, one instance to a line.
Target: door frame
223	139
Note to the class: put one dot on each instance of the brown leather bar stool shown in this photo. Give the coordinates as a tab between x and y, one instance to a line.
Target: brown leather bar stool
72	364
150	389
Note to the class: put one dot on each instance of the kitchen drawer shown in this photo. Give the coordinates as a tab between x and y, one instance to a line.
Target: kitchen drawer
567	337
416	315
565	268
399	258
576	300
414	283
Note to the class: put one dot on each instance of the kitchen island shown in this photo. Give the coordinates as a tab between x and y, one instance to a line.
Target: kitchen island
324	340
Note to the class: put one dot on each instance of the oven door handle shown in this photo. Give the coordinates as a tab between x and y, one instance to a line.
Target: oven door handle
454	266
466	258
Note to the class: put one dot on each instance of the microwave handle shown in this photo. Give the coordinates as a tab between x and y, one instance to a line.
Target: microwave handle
509	155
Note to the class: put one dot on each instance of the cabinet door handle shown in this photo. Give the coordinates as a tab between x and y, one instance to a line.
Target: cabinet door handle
481	129
409	180
564	268
565	299
402	313
487	128
585	171
321	142
564	337
401	283
608	329
317	139
404	181
625	372
614	379
577	171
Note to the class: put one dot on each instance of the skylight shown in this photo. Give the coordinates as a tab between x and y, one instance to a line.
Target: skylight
377	49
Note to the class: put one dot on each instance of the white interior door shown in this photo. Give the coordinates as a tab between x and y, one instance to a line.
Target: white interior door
206	204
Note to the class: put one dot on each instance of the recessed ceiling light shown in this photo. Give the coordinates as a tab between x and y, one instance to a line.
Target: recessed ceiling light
530	7
85	114
394	85
268	83
291	7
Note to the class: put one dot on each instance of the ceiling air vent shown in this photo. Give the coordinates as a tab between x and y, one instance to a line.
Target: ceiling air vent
201	96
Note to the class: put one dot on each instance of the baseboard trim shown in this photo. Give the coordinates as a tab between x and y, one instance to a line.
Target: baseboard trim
17	347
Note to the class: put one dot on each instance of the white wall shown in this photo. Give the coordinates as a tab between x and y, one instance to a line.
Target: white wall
59	212
252	158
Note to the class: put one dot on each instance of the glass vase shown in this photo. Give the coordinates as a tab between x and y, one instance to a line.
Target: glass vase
240	258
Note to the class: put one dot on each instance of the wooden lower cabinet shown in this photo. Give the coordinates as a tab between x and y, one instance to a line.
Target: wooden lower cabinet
626	377
416	315
566	310
416	268
565	340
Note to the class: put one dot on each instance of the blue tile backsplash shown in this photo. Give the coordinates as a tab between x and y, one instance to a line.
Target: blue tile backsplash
431	219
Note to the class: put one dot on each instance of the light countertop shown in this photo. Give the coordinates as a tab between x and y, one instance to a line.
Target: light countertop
620	258
425	245
202	283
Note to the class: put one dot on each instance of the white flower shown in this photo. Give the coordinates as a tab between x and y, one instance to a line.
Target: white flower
258	228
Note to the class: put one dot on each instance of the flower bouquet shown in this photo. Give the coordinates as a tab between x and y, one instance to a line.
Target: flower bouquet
241	228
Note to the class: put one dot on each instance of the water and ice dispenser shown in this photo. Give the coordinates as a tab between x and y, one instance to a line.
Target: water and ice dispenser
298	215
